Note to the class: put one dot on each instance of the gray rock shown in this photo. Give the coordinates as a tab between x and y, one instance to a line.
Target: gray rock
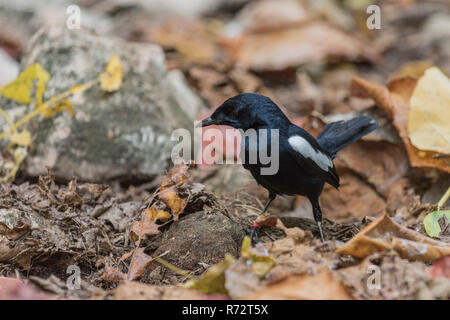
189	101
113	135
9	67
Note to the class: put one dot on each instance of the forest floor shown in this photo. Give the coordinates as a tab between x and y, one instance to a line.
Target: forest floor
182	233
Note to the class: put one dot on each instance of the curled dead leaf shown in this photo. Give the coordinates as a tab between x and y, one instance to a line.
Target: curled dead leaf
168	200
394	99
110	274
385	234
139	262
429	116
143	228
173	201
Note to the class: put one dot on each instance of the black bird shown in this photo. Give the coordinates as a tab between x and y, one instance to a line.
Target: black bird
305	163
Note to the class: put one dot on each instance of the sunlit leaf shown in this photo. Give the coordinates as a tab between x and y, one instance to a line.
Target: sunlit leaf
429	115
213	280
111	78
157	214
394	99
431	222
22	138
20	89
58	107
261	262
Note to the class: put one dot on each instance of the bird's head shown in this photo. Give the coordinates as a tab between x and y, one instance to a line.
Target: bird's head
245	111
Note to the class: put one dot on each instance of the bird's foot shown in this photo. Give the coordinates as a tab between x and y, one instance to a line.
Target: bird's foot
254	233
319	224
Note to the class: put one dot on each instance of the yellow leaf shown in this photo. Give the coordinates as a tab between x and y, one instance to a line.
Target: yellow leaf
19	155
111	78
213	280
19	89
414	69
81	88
154	215
261	262
22	138
60	106
429	116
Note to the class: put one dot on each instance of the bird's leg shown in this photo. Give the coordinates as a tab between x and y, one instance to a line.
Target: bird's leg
318	217
255	226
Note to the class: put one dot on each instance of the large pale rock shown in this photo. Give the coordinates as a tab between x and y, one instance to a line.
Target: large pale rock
113	135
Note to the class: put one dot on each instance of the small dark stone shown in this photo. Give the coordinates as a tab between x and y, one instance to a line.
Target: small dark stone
199	238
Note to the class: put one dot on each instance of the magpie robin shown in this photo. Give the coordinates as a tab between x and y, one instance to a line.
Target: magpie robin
305	163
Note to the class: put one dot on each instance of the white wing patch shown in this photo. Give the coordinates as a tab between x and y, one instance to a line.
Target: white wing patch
302	146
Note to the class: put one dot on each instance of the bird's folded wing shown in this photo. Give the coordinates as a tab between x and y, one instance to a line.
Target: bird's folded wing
312	159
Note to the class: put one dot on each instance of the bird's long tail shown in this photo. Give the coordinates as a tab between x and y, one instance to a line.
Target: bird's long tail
337	135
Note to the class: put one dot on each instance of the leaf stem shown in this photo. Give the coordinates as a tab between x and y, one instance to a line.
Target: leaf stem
175	269
443	199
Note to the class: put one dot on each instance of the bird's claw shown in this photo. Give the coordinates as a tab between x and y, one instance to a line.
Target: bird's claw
319	224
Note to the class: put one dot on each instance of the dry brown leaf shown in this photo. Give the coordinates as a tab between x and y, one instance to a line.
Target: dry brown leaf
178	34
441	268
290	47
394	100
387	276
385	234
177	176
167	198
154	214
413	69
266	15
173	201
354	199
143	228
296	234
132	290
110	274
294	254
381	163
321	286
139	262
213	85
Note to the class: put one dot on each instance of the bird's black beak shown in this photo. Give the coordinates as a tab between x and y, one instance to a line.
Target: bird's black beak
207	122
